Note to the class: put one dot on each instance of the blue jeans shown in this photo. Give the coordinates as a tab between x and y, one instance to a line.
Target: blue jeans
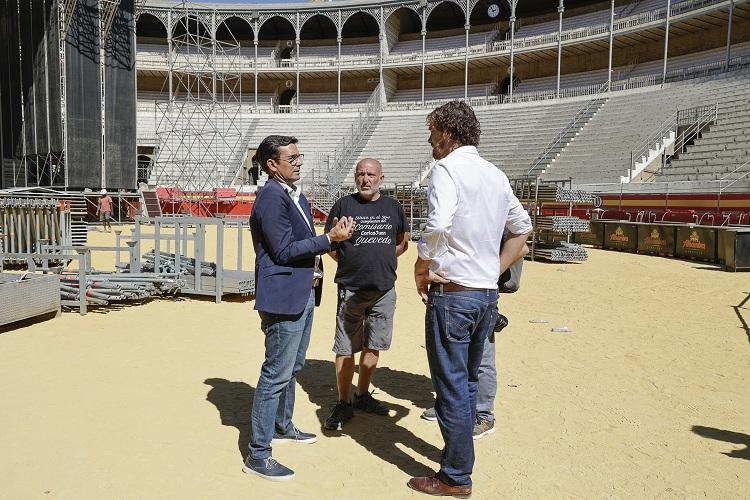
456	327
287	338
487	385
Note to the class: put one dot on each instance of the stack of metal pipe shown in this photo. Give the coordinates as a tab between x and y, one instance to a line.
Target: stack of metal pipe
167	264
566	252
27	223
562	224
574	195
103	288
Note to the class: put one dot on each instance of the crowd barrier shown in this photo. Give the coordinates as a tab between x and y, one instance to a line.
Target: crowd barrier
726	246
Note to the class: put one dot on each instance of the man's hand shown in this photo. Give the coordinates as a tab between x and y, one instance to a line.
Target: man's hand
423	277
342	229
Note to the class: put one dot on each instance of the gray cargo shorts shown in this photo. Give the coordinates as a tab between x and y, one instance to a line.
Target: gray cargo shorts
364	318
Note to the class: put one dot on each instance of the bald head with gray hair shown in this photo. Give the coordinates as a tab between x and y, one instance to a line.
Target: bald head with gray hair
368	175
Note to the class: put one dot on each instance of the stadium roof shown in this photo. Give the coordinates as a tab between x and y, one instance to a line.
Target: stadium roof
524	7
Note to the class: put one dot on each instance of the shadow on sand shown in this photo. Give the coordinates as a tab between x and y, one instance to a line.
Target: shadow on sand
726	436
234	400
381	435
738	311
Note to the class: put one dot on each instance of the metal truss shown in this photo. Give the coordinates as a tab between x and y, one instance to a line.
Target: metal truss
200	137
67	11
107	14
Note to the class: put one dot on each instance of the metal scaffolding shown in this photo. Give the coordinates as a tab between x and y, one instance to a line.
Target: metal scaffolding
199	128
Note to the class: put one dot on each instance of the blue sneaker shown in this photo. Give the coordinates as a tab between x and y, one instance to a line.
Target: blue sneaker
294	436
267	468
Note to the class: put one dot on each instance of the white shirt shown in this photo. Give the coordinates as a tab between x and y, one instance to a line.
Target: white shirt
470	205
294	194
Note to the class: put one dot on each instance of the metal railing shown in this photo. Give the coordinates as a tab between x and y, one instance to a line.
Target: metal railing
741	172
340	161
576	123
694	119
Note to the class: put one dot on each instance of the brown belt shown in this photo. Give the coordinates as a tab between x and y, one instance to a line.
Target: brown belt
454	287
316	282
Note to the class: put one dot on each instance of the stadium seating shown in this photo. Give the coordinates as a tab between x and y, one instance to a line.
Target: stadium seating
441	43
512	137
675	66
724	147
572	22
415	95
602	150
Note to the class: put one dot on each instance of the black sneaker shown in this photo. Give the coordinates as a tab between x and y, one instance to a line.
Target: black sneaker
483	428
429	414
293	436
267	468
340	415
367	403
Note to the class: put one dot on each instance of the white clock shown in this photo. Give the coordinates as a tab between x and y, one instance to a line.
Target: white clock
493	10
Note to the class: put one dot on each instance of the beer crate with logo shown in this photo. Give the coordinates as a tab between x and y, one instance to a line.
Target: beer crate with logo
696	242
656	239
620	236
594	236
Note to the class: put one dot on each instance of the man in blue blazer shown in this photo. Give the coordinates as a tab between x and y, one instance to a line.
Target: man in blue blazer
288	275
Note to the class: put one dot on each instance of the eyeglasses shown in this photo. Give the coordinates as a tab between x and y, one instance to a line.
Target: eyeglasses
294	158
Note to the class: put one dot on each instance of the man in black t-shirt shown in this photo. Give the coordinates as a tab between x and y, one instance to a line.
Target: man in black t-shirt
365	276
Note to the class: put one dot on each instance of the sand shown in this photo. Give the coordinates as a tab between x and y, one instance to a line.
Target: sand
647	397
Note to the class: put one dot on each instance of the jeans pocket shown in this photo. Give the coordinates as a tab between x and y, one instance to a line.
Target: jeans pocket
459	323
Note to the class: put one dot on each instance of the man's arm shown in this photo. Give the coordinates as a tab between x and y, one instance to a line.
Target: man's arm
331	221
283	248
402	243
514	248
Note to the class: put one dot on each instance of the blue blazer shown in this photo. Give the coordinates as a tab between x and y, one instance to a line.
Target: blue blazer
285	250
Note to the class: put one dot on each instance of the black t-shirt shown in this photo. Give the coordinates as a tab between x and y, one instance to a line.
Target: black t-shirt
367	261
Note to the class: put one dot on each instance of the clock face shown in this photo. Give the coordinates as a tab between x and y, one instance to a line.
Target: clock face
493	10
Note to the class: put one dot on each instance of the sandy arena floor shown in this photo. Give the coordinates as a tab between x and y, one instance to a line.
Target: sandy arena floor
646	398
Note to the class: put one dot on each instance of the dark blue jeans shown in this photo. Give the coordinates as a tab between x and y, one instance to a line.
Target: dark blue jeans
456	327
287	338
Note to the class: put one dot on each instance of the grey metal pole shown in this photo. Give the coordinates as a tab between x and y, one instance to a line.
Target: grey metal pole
466	62
255	68
338	73
611	41
297	40
382	40
512	42
666	43
213	53
560	10
729	35
296	63
424	34
170	62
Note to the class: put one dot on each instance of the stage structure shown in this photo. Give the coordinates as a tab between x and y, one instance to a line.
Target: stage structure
199	129
67	108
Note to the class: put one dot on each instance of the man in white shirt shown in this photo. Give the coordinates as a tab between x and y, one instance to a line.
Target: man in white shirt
470	204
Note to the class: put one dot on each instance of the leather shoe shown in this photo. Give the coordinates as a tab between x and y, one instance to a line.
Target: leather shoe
434	486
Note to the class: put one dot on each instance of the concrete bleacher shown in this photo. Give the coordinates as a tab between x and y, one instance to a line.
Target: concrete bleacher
331	51
602	150
724	147
319	135
453	92
512	137
597	77
590	19
441	43
332	99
